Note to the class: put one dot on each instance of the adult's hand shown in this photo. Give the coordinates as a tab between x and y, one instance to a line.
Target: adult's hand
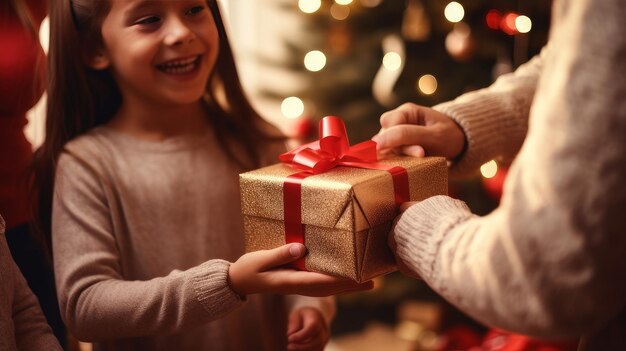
416	130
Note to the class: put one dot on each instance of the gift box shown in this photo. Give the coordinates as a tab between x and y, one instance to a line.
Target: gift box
342	212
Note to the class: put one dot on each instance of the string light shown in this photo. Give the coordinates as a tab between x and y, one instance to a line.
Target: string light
339	12
292	107
523	24
314	60
392	61
454	12
343	2
309	6
489	169
427	84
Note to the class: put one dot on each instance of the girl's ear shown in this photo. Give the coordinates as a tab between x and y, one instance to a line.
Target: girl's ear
97	59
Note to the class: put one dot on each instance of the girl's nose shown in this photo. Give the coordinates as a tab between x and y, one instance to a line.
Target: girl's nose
178	33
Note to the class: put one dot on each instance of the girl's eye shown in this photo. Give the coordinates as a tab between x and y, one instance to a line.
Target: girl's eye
195	10
148	20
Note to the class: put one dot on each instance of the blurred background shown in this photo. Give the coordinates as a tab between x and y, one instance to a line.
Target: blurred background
301	60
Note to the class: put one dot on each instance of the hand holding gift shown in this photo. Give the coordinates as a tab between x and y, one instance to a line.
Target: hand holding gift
264	272
416	130
338	200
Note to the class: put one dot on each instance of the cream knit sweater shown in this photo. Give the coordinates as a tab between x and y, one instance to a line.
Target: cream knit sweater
142	236
22	324
551	259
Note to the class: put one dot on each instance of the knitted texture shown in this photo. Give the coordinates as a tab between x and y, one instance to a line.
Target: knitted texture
22	324
549	261
143	233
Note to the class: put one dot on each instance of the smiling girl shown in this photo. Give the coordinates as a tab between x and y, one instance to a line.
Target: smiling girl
148	128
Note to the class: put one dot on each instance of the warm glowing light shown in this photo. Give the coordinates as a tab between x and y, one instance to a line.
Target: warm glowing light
392	61
309	6
370	3
339	12
292	107
458	41
508	23
454	12
44	34
493	19
314	60
489	169
427	84
523	24
343	2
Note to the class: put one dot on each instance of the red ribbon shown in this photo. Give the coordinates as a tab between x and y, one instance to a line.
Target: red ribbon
332	150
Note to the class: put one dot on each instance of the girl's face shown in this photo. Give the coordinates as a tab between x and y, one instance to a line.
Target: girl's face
159	51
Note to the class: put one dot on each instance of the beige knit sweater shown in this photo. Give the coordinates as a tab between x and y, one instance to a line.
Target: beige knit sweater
142	236
551	259
22	324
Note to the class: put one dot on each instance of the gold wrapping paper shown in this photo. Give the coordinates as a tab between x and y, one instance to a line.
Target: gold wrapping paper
347	213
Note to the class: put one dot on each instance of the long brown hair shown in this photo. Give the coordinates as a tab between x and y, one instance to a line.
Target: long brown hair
81	98
22	12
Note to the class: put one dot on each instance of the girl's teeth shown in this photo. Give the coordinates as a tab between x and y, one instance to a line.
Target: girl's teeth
177	67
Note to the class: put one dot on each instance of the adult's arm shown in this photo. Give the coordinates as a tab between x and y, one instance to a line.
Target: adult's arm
549	261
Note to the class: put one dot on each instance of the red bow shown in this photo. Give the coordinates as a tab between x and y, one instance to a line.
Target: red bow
332	150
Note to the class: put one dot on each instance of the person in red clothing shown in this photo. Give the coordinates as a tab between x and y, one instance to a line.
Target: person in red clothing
22	81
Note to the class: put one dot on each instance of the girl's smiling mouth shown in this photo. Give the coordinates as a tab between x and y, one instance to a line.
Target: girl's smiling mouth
180	66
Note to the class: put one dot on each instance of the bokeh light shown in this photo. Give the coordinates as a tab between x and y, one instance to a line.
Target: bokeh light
392	61
523	24
370	3
314	60
489	169
309	6
454	12
427	84
292	107
339	12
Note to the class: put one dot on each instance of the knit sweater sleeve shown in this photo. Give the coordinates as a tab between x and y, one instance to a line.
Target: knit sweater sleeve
95	300
549	261
494	119
29	326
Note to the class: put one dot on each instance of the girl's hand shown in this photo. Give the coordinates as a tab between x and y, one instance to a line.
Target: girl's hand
307	330
391	241
416	130
264	272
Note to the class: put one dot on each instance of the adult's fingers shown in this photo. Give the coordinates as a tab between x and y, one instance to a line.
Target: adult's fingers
413	150
407	113
403	135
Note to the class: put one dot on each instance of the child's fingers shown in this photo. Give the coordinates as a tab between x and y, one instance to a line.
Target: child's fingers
310	323
316	344
289	281
279	256
294	324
